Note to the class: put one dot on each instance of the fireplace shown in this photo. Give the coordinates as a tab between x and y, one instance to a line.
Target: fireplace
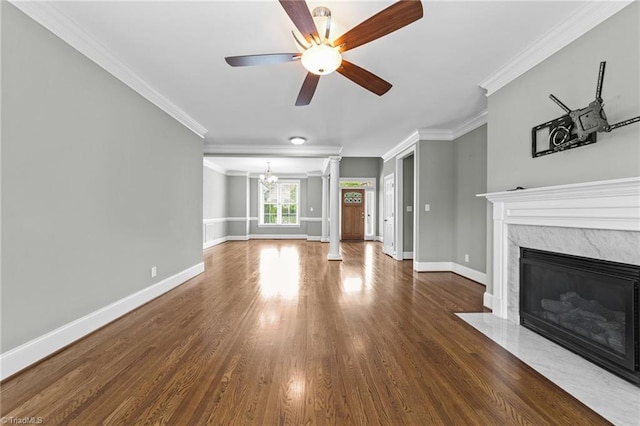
589	306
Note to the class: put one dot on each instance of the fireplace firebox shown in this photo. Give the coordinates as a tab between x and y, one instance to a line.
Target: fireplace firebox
589	306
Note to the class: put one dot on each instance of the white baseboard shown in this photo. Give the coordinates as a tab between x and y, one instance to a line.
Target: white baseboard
277	236
334	256
237	238
487	300
472	274
215	242
407	255
378	238
432	266
324	240
314	238
28	353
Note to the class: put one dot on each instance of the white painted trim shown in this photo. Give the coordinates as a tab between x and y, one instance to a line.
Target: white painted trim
324	240
239	173
237	238
406	143
472	274
437	134
213	166
334	256
469	125
282	176
407	255
255	218
315	173
48	15
236	219
33	351
379	238
272	150
611	204
278	236
585	18
487	300
215	242
432	266
310	219
314	238
214	220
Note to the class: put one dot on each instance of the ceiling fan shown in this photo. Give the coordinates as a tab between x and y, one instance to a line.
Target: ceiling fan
320	56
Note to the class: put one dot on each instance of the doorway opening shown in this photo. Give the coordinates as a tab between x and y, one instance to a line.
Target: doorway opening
367	216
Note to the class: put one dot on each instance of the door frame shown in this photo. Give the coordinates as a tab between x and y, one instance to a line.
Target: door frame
399	217
367	190
385	241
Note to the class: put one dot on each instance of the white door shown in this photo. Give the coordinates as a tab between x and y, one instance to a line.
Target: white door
388	230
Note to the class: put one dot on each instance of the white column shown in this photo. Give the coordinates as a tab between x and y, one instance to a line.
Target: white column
325	209
334	233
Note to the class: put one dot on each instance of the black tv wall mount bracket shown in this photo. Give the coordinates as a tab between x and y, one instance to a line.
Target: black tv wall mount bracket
577	127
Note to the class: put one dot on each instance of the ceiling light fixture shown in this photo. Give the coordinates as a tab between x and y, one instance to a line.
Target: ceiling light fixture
297	140
268	179
321	59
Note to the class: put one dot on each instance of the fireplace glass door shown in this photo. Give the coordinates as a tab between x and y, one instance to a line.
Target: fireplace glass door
587	305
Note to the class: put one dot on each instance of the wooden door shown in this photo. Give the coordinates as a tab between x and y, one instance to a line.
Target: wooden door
353	214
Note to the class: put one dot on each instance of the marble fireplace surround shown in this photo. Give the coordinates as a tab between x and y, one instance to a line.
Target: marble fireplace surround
595	219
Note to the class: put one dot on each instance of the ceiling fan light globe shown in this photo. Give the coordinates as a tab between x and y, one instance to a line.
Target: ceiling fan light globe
297	140
322	59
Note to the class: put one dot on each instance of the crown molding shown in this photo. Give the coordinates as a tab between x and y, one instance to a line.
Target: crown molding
315	173
237	173
214	167
469	125
578	23
46	14
437	134
272	150
281	176
406	143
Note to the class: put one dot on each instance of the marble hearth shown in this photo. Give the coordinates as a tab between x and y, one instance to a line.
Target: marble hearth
599	220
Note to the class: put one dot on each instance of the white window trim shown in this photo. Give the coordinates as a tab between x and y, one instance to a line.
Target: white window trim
261	207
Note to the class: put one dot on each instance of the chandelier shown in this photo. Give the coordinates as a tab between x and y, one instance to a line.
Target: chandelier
268	179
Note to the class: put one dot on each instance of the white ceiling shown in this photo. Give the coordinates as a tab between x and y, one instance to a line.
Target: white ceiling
434	64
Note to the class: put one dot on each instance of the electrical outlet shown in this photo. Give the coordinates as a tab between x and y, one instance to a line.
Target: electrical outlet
154	272
310	208
409	209
466	257
427	207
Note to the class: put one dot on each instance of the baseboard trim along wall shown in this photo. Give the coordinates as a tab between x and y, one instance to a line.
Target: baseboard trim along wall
472	274
215	242
487	300
407	255
33	351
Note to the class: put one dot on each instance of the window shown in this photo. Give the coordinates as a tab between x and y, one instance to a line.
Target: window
279	206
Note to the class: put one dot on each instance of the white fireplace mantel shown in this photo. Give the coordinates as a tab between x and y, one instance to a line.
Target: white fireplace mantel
609	205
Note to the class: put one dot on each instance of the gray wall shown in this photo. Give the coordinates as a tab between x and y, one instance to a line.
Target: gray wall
570	74
237	204
407	197
470	226
214	204
98	186
314	201
435	177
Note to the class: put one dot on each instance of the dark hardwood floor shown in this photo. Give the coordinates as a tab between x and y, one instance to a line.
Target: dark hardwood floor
273	333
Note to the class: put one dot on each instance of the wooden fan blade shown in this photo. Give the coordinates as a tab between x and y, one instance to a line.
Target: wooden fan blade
272	58
387	21
308	89
364	78
299	13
